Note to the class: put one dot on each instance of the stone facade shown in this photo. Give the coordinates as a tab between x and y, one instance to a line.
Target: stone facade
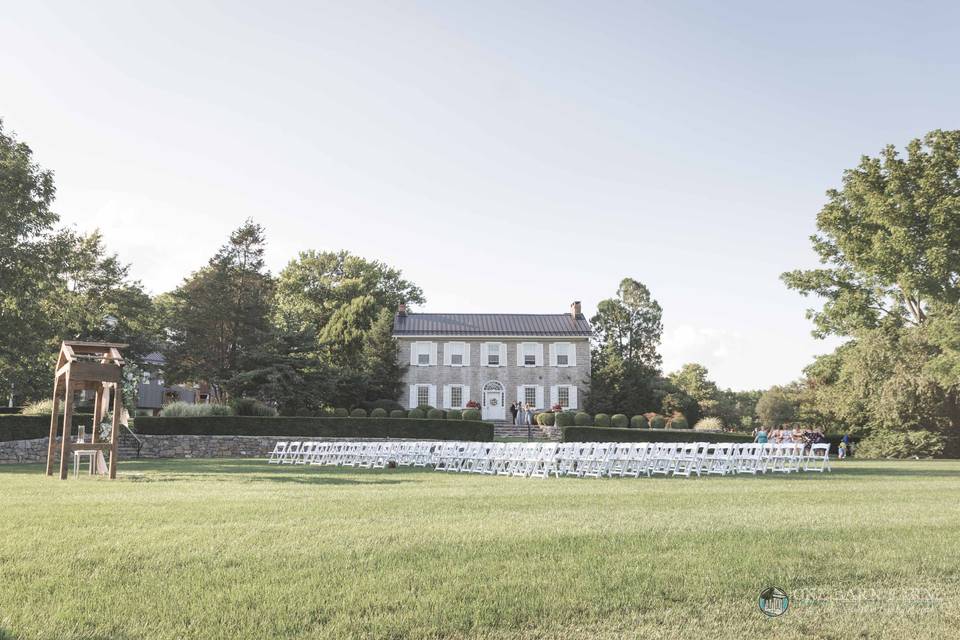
510	374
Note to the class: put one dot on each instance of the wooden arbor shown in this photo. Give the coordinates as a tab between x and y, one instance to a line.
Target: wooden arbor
86	366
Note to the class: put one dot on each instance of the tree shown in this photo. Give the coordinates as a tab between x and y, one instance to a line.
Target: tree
626	363
890	239
775	408
218	320
692	381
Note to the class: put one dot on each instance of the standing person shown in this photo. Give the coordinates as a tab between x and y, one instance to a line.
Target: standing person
529	415
761	436
513	412
846	444
519	414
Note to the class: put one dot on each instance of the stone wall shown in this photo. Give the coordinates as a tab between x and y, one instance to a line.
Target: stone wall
14	451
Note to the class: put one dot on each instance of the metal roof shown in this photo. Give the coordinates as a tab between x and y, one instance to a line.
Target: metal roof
490	324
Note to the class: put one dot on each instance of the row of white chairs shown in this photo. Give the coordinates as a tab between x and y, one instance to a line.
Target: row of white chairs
578	459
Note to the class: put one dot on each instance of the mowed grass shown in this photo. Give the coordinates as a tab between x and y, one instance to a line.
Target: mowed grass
239	549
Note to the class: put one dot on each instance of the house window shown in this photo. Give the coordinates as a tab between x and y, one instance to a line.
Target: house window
563	354
423	358
455	349
456	397
493	354
421	353
563	397
530	396
423	395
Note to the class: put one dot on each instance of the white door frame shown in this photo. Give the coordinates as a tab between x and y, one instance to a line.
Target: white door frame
492	397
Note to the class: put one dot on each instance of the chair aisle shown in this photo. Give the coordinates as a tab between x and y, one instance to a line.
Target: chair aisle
576	459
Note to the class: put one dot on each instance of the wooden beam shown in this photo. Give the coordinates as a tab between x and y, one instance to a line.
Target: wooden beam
115	435
67	423
51	445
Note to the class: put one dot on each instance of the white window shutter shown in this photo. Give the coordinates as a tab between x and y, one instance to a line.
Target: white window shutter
484	354
553	355
446	396
413	353
539	354
519	354
466	354
466	396
520	395
554	395
572	354
447	351
503	354
432	395
413	397
433	354
573	397
539	396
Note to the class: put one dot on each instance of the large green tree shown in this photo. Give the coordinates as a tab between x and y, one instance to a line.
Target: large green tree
889	240
626	363
218	320
693	381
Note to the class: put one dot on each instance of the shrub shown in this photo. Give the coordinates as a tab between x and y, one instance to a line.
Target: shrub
620	421
658	422
378	412
187	410
425	408
471	414
386	405
639	422
900	444
340	412
417	414
20	427
582	419
547	418
40	408
679	422
358	413
473	404
600	434
601	420
455	414
709	424
251	407
317	427
564	419
398	413
435	414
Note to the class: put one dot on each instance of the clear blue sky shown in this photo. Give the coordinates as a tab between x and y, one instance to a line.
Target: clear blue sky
507	156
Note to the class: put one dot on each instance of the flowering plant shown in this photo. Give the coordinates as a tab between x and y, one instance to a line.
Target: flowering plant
473	404
557	408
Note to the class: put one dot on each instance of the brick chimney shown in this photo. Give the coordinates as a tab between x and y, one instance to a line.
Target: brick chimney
402	309
575	309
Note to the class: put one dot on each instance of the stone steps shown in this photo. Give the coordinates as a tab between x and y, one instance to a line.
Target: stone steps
508	430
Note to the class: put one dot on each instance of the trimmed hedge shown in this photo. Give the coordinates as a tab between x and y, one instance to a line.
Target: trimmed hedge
455	414
416	414
546	419
378	412
679	423
318	427
358	413
564	419
658	422
340	412
601	420
436	414
639	422
397	413
471	414
17	427
602	434
620	421
582	419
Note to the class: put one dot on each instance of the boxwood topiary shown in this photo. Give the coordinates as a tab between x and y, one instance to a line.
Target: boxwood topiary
378	412
658	422
601	420
455	414
358	413
679	423
398	413
547	418
639	422
619	420
416	413
471	414
564	419
340	412
435	414
582	419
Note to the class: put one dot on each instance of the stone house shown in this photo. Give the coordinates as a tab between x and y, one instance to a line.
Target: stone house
494	359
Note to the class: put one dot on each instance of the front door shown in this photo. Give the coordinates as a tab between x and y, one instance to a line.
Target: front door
493	408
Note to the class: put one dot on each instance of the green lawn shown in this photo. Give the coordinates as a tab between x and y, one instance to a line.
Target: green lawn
240	549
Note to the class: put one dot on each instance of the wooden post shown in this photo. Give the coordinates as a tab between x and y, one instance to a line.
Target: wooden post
67	424
51	445
115	434
97	418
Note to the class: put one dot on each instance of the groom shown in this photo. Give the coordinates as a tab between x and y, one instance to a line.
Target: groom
513	412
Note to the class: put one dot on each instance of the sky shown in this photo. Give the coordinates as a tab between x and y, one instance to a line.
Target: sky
507	156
